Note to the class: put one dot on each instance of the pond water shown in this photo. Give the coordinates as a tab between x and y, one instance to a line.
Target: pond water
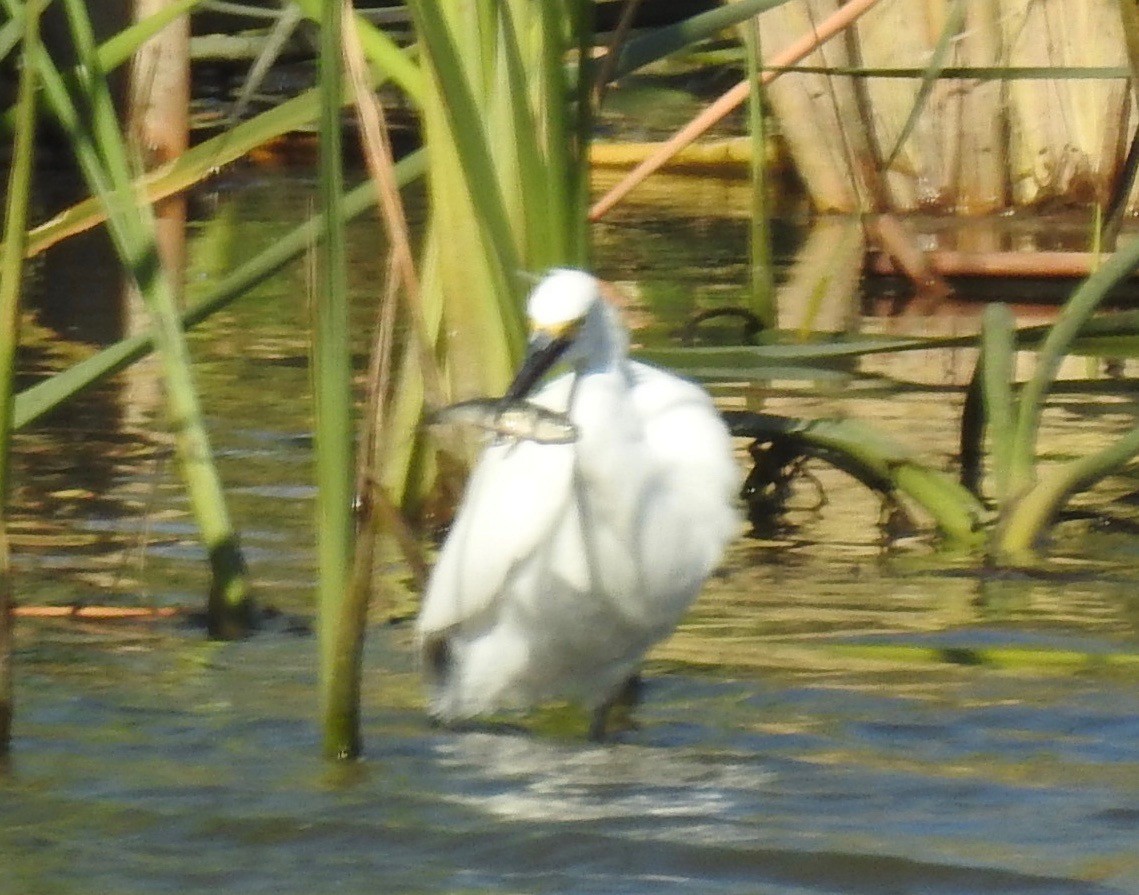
839	713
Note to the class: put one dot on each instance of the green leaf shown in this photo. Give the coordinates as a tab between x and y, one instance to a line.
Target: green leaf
661	42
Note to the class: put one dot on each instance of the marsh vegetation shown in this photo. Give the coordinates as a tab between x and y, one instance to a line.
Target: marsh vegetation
929	628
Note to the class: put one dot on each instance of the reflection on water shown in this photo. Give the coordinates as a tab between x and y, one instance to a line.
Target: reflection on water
837	714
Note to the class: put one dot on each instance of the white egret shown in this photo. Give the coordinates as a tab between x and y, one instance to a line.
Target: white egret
567	560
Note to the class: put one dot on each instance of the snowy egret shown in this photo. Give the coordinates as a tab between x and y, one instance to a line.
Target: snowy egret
569	558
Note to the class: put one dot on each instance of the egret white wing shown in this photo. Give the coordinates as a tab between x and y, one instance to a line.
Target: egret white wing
517	494
695	501
661	481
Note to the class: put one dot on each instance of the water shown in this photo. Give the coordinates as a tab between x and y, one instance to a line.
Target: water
840	713
154	762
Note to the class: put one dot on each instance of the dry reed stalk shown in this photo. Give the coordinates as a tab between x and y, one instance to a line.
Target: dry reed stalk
903	30
816	112
1056	128
851	159
865	146
160	131
842	18
380	161
953	156
378	155
979	144
981	179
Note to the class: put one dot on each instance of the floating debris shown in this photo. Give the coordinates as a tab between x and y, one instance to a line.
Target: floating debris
520	420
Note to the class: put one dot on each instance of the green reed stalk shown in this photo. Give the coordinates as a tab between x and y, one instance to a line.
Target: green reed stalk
341	630
503	127
101	151
1057	345
998	350
11	276
763	303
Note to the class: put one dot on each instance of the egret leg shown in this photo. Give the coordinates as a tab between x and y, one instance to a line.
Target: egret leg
626	698
437	659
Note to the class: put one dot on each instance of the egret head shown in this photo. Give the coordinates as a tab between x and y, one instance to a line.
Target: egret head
569	321
562	299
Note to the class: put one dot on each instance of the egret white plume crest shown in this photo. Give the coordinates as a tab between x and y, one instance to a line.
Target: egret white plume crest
567	561
563	296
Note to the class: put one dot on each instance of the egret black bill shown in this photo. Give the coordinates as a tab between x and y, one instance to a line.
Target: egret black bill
541	354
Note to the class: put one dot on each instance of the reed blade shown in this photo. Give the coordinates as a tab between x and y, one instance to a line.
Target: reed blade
11	278
44	396
1060	340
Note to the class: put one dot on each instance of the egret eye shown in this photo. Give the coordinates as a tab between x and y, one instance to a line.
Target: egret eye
573	328
566	331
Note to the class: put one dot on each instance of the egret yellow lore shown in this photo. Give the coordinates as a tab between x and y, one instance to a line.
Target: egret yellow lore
568	560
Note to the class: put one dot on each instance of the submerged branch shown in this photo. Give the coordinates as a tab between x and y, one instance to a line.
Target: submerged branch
885	465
